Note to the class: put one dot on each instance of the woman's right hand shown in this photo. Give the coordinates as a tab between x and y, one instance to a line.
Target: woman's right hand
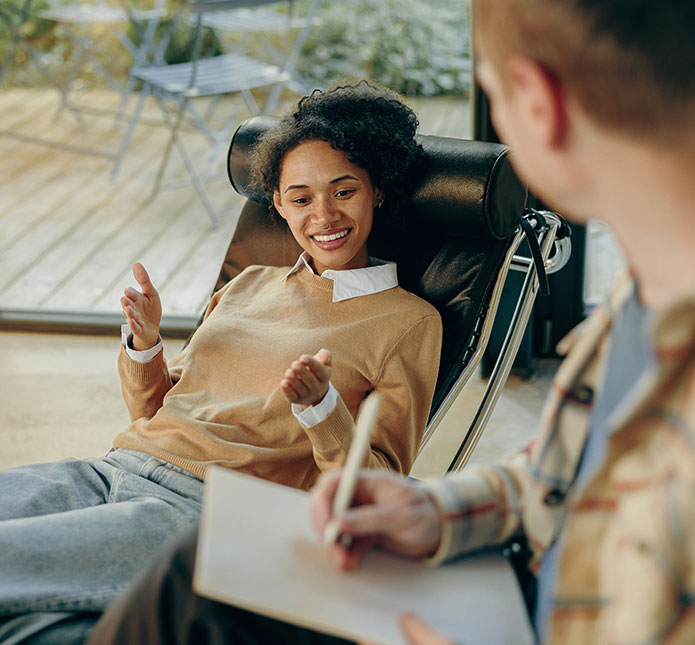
142	310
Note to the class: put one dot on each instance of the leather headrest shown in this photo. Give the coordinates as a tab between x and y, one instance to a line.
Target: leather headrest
467	188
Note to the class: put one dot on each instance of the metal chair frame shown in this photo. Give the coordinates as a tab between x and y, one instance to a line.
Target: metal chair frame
551	232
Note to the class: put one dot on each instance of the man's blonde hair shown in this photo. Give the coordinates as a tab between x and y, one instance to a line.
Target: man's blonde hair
630	64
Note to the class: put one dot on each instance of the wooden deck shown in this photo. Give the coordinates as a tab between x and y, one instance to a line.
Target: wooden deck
68	235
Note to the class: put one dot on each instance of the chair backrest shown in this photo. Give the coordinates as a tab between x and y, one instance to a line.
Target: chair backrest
465	207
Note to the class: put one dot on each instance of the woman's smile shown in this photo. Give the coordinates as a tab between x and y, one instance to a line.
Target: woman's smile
331	239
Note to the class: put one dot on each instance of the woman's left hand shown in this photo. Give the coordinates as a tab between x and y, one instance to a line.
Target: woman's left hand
306	381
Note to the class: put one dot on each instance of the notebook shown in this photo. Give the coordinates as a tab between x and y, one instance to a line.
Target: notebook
258	551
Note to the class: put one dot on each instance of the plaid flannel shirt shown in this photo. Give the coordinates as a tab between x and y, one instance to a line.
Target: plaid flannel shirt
626	571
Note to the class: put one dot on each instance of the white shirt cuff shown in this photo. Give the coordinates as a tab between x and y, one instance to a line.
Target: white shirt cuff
316	413
144	356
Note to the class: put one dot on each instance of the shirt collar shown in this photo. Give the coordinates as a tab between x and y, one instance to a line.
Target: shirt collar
353	283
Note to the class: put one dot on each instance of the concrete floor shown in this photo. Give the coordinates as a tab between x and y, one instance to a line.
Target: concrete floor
60	397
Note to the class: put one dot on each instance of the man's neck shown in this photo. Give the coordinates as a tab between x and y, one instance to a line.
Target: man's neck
647	196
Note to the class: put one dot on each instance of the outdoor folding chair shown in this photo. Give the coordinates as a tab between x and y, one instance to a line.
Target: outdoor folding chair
465	224
261	22
82	16
230	73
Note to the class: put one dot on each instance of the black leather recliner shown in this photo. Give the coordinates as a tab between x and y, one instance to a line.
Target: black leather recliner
455	249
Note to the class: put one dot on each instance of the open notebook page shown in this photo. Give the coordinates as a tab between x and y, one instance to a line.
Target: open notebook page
258	551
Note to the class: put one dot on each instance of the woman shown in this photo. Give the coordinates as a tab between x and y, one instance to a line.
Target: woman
269	384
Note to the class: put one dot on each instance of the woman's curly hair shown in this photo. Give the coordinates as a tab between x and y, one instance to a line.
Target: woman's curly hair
369	124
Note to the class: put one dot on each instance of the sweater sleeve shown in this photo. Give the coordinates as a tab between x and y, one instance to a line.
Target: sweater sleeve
405	384
144	385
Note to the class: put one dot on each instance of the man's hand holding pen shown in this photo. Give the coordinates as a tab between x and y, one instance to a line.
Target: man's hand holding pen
387	510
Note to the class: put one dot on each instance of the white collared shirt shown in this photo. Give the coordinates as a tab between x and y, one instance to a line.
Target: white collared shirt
351	283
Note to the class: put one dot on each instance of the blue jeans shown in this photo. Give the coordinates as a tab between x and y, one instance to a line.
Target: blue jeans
74	534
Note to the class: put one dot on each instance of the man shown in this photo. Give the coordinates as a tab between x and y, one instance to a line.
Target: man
597	100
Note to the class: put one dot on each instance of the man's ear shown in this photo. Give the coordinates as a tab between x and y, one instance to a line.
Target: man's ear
541	99
277	202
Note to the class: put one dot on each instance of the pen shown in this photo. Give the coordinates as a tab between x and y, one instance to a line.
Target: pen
348	478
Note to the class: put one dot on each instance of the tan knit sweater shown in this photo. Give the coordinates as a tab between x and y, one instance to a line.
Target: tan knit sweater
219	400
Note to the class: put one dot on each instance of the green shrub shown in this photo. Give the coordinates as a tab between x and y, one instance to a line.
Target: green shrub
412	46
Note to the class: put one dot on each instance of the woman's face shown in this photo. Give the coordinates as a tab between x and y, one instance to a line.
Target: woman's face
328	204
